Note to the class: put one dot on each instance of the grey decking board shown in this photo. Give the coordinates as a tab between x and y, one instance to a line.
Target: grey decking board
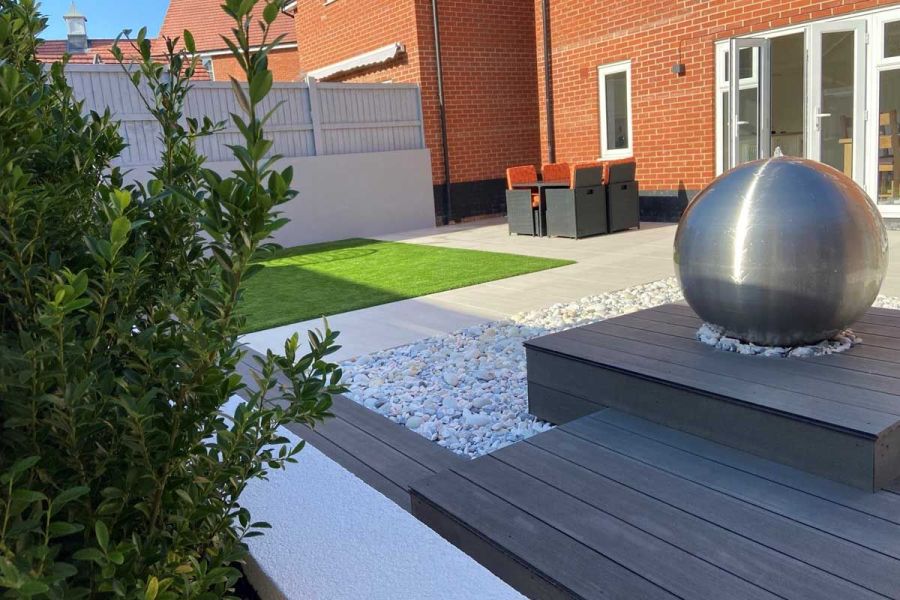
672	568
789	374
887	337
385	455
683	525
555	406
493	557
535	515
846	360
752	374
783	536
673	372
864	530
889	312
881	505
695	355
883	319
867	349
398	494
383	458
658	322
569	564
872	315
314	436
795	441
861	364
429	454
662	362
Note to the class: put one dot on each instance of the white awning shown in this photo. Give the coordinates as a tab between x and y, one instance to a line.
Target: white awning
367	59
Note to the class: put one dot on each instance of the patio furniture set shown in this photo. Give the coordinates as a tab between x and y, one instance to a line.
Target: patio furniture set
572	201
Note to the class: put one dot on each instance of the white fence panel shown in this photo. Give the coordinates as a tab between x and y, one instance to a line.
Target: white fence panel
369	117
310	119
289	128
109	87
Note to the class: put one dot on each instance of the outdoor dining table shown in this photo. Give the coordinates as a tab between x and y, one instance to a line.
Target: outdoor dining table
541	187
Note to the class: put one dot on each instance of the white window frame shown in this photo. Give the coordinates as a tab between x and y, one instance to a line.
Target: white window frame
722	86
881	64
875	64
602	72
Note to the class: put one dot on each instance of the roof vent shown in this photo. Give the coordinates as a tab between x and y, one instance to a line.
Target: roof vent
76	27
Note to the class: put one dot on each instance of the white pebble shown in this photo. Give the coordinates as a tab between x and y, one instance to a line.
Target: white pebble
434	385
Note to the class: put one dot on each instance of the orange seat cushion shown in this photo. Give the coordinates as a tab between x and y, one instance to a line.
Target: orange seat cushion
579	166
556	172
611	163
523	174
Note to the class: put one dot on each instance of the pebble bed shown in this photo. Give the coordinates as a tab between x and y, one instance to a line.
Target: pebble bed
715	336
466	390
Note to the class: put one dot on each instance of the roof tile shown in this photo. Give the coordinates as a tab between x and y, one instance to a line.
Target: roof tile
100	52
208	23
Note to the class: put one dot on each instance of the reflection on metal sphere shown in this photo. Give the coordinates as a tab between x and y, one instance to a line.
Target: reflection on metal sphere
782	252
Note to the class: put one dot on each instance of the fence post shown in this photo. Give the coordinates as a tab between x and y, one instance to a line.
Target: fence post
315	111
421	117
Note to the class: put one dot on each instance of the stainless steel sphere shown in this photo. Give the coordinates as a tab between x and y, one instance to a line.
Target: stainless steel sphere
782	252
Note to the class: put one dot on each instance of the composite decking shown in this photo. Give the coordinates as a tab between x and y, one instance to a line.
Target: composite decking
836	415
385	455
676	471
615	506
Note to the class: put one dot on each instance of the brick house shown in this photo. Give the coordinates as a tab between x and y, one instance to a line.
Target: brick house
829	69
489	81
817	78
207	22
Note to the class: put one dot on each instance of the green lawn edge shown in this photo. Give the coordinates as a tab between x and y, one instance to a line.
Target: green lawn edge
350	295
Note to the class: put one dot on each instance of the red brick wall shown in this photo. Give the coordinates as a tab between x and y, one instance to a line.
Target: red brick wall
673	117
489	71
283	63
490	84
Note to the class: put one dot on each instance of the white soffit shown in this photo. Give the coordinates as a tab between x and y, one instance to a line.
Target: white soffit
367	59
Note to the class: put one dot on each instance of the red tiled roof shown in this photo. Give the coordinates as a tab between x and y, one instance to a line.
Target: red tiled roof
206	20
99	52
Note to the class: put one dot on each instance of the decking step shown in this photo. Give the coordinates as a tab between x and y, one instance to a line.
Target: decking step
837	416
615	506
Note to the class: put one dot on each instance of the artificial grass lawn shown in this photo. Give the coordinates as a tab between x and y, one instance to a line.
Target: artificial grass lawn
325	279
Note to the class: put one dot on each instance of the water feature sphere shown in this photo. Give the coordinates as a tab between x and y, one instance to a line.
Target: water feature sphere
781	252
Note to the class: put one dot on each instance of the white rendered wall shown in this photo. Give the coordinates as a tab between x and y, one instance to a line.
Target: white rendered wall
351	195
335	538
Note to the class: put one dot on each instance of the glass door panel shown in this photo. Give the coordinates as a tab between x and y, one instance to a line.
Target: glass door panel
788	76
888	161
837	55
746	128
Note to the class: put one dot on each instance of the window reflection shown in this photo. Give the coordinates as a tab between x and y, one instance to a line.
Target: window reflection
617	110
892	39
889	138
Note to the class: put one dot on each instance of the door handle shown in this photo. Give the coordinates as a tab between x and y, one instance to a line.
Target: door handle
743	122
819	116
